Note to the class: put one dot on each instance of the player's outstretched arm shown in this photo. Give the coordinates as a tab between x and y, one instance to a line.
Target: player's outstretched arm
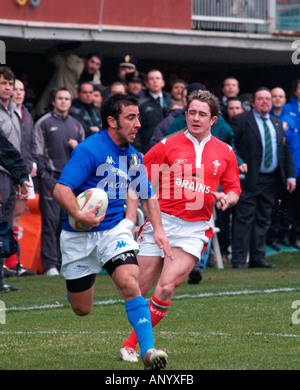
152	210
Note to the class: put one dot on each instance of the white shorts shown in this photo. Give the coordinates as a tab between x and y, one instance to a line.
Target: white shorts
191	236
85	253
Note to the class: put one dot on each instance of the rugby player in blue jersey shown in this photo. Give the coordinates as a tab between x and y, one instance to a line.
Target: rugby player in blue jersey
107	160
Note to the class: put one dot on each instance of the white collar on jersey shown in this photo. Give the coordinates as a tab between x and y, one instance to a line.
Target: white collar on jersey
193	139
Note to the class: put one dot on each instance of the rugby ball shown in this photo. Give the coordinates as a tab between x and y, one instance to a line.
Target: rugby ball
86	201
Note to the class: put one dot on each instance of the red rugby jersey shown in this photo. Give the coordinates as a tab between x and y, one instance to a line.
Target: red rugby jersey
188	172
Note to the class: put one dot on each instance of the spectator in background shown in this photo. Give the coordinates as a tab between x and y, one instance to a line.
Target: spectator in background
57	134
134	84
234	107
117	88
97	100
71	70
293	107
16	177
153	109
285	226
83	109
260	141
28	152
126	65
231	88
224	219
175	110
177	86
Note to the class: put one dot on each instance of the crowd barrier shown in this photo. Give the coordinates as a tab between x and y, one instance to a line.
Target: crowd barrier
30	236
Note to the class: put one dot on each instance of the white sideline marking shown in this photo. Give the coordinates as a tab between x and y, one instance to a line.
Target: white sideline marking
243	292
201	295
61	332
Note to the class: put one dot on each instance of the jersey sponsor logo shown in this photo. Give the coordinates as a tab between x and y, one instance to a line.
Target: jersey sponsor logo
109	160
119	172
120	244
181	161
193	186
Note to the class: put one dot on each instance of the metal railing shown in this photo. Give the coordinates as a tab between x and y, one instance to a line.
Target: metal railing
251	16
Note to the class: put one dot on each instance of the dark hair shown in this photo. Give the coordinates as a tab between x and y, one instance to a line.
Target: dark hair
205	97
83	83
94	54
296	83
178	81
234	98
7	73
229	78
55	90
155	70
113	106
97	88
260	89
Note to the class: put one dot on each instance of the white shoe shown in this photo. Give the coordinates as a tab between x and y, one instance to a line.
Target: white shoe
51	272
128	355
155	360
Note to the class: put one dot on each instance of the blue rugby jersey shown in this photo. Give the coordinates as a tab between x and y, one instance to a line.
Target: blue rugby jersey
99	162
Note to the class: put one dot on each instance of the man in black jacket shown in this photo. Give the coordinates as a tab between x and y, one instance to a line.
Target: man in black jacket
153	109
17	175
84	111
260	142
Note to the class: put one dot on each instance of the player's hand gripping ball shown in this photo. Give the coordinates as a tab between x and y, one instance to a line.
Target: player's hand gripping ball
86	201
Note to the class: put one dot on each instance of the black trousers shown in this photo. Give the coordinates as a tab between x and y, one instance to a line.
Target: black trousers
51	214
7	206
251	220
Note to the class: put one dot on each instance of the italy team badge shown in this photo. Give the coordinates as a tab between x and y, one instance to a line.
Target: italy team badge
135	162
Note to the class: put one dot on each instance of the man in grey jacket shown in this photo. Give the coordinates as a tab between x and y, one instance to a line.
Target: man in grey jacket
57	134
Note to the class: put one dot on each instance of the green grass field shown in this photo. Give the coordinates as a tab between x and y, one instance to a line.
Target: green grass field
233	320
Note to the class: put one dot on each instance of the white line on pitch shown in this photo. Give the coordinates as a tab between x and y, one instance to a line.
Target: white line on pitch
184	296
162	333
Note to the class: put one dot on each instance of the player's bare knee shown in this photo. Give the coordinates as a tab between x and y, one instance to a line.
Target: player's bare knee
129	287
82	311
165	292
